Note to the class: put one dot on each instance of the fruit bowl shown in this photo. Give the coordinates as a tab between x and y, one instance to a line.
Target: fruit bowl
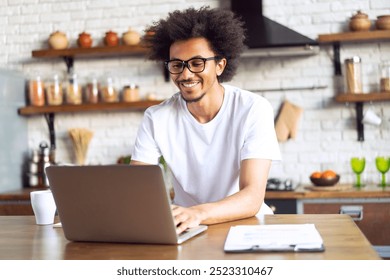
325	182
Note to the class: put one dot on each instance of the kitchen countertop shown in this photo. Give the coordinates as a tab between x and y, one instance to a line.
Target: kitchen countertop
301	192
337	191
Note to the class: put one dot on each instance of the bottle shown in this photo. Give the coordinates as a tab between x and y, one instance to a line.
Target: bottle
44	161
385	76
353	75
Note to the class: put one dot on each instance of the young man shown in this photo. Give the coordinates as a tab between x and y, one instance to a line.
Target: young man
217	140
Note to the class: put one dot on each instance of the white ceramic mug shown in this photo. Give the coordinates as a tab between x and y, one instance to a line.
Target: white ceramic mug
371	118
44	207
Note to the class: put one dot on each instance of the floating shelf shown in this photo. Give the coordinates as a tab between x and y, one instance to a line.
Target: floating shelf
117	106
354	36
350	37
92	52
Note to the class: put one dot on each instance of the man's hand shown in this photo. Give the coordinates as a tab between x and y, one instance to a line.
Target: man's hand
185	217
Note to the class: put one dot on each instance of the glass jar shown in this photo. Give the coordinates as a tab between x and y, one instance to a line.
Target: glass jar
130	93
54	92
73	90
353	75
92	91
109	91
385	76
36	91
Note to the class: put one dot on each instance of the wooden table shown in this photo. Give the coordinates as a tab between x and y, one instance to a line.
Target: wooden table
21	239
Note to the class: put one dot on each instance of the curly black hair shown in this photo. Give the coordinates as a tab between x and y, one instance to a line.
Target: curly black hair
221	28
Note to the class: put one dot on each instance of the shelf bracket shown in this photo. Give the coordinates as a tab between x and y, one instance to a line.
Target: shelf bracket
336	59
50	123
69	63
359	118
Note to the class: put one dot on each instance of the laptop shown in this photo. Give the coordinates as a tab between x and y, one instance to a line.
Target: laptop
115	203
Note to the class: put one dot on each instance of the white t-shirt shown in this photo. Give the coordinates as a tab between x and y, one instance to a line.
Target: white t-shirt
205	158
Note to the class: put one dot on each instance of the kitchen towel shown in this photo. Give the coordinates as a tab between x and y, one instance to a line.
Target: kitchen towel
287	121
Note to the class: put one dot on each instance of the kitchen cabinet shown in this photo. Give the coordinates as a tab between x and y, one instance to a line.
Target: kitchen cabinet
372	216
69	55
355	37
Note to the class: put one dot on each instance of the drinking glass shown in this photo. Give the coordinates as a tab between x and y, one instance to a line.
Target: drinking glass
383	165
358	164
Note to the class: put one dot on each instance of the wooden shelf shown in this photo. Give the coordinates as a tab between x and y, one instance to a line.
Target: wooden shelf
337	38
365	97
99	51
118	106
355	36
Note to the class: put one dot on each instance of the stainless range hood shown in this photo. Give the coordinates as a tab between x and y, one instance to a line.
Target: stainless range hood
266	37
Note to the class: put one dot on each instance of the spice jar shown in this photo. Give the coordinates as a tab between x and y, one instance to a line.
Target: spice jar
36	91
54	93
92	91
353	75
385	76
73	90
109	91
130	93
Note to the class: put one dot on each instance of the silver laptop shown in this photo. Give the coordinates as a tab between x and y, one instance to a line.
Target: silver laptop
115	203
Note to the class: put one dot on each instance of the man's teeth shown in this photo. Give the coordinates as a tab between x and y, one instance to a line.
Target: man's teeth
189	85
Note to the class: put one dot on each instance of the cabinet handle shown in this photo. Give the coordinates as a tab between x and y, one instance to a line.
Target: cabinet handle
355	211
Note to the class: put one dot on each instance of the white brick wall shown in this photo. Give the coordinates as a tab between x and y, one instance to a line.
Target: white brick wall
327	135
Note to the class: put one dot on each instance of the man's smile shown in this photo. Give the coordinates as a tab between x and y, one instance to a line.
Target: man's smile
189	84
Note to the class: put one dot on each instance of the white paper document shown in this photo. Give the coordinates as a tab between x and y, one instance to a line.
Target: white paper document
281	237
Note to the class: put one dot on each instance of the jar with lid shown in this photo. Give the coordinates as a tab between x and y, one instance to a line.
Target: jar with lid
109	90
54	92
92	90
36	91
73	90
353	75
130	93
385	76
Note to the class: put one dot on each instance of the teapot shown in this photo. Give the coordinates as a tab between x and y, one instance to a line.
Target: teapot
58	40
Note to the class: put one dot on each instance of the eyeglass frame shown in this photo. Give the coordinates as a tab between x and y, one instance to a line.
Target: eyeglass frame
185	63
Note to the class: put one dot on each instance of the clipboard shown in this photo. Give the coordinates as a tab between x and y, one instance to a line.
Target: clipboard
274	238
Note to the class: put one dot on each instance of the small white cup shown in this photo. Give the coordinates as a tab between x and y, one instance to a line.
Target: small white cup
371	118
44	207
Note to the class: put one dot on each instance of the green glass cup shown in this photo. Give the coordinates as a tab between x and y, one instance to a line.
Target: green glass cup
358	164
383	165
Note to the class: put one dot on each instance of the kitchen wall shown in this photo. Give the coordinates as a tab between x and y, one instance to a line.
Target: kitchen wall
326	136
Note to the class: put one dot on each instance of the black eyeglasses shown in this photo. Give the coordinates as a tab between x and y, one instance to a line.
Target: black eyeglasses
195	65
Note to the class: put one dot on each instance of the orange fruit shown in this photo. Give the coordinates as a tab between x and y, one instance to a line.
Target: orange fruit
316	174
328	174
